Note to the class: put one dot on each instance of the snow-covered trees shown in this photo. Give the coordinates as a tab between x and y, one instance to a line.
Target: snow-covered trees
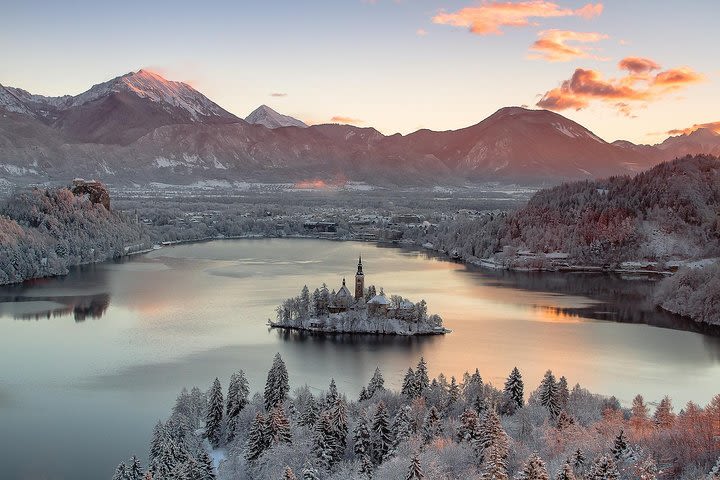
409	385
515	389
377	383
415	471
382	439
664	416
277	385
466	438
549	394
534	469
422	381
45	231
214	418
258	438
715	472
237	399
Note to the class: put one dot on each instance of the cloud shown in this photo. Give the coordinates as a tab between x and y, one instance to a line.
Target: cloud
421	32
349	120
714	126
489	18
278	94
638	65
625	93
561	45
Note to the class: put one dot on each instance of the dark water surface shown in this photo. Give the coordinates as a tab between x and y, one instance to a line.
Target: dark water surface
92	360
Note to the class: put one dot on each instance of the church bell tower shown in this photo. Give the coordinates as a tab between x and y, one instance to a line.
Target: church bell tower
359	281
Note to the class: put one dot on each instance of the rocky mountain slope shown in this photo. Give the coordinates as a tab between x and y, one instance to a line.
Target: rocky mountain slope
140	128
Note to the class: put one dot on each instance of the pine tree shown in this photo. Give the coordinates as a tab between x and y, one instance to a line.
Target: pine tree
278	426
257	438
495	468
534	469
309	472
121	472
363	395
431	426
338	417
664	416
332	394
549	396
305	302
453	391
377	383
469	429
409	387
566	472
277	385
422	381
134	469
310	415
563	393
415	471
620	446
401	426
480	405
361	436
382	439
514	388
578	461
492	436
214	417
324	442
604	468
237	400
366	466
288	473
205	466
157	442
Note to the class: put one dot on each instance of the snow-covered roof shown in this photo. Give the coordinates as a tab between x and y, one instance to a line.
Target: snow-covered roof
343	292
379	299
407	304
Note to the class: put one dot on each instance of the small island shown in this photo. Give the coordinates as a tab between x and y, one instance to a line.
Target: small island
365	312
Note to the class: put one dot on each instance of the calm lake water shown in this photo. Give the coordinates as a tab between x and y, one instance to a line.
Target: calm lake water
92	360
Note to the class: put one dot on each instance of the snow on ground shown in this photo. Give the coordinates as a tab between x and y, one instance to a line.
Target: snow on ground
162	162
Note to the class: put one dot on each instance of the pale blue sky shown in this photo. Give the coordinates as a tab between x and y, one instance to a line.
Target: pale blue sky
363	60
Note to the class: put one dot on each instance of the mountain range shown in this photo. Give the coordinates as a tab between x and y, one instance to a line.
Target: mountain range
140	128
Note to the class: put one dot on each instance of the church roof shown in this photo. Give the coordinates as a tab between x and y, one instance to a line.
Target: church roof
379	299
343	292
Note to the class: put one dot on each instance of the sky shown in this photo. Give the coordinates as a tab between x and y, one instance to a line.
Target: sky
626	70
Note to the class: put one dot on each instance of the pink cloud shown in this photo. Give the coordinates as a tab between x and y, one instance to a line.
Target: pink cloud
348	120
562	45
489	18
624	94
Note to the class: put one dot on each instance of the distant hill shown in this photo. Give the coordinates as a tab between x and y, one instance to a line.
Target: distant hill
266	116
140	128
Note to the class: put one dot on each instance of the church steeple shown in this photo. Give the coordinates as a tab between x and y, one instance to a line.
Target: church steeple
359	281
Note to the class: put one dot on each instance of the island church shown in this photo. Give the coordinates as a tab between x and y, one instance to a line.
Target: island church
378	305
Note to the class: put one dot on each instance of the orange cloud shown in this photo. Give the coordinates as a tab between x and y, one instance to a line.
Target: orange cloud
714	126
638	65
489	17
278	94
421	32
586	86
350	120
561	45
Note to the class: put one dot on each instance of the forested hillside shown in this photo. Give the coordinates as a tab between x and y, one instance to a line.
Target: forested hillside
43	232
667	213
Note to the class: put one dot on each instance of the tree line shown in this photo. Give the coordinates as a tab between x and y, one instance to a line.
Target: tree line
435	428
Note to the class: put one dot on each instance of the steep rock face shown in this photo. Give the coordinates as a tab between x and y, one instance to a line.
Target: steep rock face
266	116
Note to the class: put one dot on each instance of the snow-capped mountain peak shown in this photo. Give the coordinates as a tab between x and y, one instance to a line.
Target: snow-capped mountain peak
150	85
264	115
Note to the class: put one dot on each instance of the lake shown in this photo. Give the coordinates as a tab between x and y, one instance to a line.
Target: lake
92	360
